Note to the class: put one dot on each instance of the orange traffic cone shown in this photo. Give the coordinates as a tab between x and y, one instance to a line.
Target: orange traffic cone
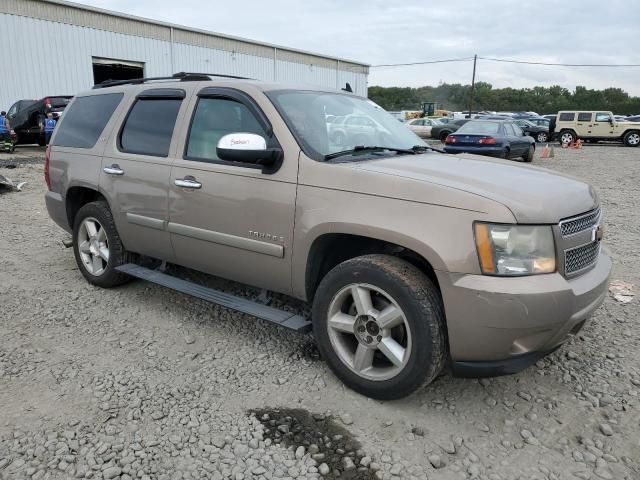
545	152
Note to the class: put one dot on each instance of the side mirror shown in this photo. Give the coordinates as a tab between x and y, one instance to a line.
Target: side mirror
611	120
248	148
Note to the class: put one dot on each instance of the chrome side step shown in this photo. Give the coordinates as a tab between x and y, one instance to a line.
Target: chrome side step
270	314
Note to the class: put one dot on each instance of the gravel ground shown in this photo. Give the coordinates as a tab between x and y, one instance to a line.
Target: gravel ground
141	382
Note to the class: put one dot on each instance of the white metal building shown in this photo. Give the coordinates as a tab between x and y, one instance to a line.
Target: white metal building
54	47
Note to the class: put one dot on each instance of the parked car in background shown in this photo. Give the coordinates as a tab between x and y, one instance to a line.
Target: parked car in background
594	126
422	126
550	117
540	121
494	138
27	117
633	118
357	130
441	131
540	134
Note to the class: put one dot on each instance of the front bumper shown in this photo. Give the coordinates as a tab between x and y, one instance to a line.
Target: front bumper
505	324
476	150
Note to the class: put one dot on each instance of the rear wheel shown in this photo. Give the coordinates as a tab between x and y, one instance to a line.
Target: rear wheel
567	136
97	246
504	153
528	157
542	137
631	139
443	136
379	324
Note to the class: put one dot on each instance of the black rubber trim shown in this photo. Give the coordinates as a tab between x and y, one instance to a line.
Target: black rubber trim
498	368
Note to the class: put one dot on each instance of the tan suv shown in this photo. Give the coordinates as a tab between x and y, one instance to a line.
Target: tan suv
410	258
594	126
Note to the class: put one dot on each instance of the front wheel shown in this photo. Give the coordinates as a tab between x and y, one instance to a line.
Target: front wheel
379	324
542	137
631	139
97	246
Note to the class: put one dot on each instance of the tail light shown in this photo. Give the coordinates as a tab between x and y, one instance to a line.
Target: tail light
47	157
487	141
449	140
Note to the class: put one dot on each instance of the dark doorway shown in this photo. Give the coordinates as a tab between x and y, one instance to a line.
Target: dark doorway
103	71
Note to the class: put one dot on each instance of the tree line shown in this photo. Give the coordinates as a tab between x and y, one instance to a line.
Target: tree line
542	100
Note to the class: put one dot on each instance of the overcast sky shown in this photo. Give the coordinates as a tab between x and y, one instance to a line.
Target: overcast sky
390	31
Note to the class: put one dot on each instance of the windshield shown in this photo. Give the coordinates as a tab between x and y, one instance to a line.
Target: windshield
480	128
355	122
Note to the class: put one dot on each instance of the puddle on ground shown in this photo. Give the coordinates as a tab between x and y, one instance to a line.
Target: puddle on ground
333	443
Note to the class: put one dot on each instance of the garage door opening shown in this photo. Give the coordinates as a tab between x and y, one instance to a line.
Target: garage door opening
109	69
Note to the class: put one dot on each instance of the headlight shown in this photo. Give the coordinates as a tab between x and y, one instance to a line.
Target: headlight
511	250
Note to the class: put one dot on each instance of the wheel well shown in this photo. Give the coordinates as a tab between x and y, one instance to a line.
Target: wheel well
636	130
76	198
332	249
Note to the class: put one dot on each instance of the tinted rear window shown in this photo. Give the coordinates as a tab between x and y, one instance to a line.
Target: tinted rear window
85	120
567	117
149	127
480	128
584	117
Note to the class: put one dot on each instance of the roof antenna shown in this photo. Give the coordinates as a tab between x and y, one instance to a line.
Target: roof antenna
348	88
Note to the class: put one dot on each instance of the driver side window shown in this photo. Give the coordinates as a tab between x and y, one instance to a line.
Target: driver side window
213	119
602	117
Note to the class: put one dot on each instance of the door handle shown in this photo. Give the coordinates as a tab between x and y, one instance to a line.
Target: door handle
113	170
187	182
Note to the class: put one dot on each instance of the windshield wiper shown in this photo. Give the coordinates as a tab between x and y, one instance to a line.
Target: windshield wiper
422	148
369	149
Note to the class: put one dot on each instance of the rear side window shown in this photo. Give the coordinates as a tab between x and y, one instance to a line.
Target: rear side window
584	117
85	120
149	126
567	117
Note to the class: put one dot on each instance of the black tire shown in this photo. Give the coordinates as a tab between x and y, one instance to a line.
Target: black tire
528	157
421	303
444	135
110	277
504	154
542	137
631	138
567	136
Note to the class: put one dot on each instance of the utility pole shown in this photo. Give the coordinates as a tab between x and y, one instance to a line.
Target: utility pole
473	84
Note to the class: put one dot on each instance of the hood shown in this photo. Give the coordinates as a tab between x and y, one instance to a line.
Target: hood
534	195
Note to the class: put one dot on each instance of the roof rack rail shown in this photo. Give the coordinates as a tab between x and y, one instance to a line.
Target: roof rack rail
182	76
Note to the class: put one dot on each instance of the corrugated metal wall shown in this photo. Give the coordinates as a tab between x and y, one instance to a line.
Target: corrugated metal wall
49	54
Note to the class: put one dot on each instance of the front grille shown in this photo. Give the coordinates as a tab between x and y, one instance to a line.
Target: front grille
574	225
581	258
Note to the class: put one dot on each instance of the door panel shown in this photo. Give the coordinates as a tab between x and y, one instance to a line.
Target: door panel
584	125
238	225
137	184
601	126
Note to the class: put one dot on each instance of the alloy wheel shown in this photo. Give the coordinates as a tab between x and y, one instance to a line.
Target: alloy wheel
93	246
633	139
369	332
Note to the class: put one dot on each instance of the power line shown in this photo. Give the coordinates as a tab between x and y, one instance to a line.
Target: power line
424	63
560	64
504	60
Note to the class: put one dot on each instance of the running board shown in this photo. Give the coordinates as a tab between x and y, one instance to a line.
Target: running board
270	314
